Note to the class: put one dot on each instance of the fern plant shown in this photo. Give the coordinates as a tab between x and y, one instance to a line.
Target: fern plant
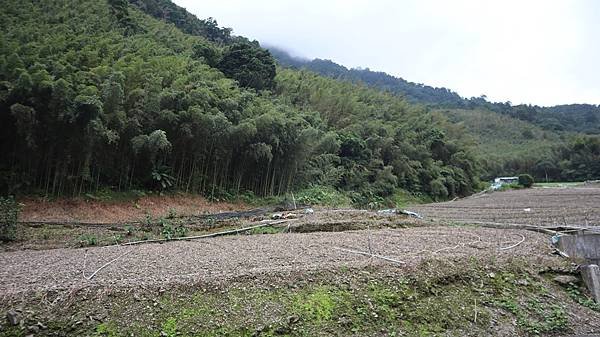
162	177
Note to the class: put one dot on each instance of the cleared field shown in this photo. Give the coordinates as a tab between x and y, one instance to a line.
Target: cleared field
342	272
255	255
535	206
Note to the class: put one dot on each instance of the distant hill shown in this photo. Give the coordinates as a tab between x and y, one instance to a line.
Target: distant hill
583	118
413	92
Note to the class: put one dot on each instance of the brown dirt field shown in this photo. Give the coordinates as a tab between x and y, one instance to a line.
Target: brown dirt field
208	260
110	212
56	235
323	243
547	207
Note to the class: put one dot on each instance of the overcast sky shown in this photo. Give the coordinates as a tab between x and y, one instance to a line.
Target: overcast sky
543	52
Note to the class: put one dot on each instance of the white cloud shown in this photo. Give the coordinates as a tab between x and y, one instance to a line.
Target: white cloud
535	51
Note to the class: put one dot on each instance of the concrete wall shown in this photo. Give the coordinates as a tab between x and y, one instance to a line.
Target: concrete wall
582	246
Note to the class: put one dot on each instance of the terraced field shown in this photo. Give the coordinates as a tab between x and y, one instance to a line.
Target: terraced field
572	206
324	272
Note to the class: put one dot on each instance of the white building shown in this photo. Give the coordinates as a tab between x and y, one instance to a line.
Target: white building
498	182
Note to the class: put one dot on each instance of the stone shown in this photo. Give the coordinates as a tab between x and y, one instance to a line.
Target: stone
293	319
282	330
258	331
565	280
13	317
344	321
591	277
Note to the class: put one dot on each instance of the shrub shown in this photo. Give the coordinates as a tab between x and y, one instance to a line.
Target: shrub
513	186
88	240
170	231
367	198
129	229
9	213
438	189
526	180
322	195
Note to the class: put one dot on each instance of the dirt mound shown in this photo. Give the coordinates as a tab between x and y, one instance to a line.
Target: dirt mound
110	212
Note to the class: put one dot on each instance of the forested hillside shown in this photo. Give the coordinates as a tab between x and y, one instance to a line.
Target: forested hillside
97	94
509	139
583	118
504	135
507	145
414	92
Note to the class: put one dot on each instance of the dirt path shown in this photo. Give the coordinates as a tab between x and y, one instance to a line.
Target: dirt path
537	206
217	259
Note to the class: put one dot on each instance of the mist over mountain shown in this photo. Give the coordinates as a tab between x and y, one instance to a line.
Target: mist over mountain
570	117
414	92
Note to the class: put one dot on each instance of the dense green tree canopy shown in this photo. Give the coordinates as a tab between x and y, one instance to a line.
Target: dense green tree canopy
87	102
572	117
251	66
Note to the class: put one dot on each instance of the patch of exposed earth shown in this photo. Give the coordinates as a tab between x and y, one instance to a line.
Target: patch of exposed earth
97	211
257	255
336	272
570	206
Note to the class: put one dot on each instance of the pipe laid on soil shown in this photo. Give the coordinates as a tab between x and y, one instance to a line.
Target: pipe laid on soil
233	231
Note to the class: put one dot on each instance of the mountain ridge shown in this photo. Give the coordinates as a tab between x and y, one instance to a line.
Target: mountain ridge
564	117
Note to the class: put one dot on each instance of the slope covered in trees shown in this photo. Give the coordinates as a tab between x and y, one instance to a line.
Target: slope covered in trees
414	92
574	117
97	94
506	146
185	21
509	139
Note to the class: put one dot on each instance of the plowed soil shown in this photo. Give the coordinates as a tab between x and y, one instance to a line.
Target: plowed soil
534	206
213	259
326	242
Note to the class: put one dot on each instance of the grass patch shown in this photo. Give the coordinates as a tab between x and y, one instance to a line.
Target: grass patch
86	240
106	330
403	199
578	295
266	230
322	196
318	305
507	187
